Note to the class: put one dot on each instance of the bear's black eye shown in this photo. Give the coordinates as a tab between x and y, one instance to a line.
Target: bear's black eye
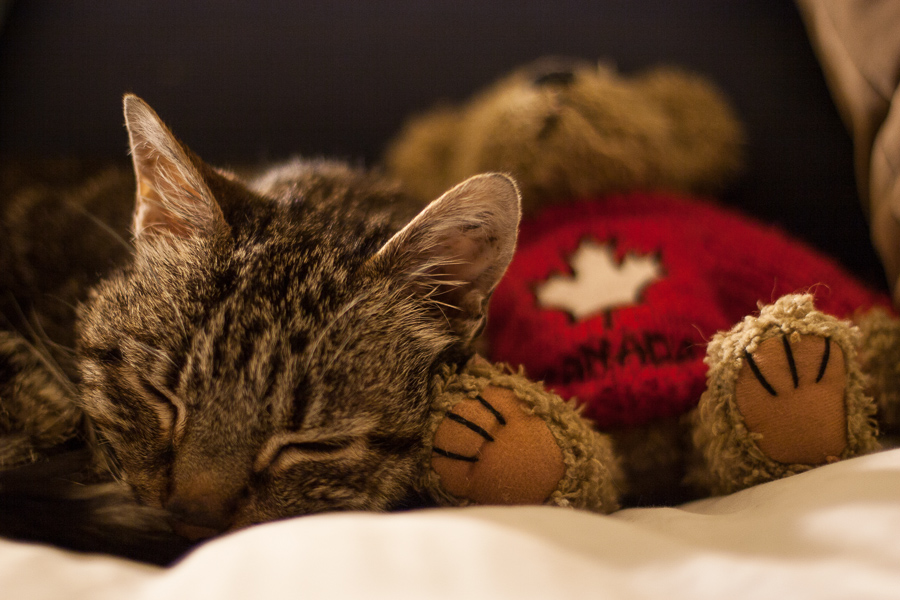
560	78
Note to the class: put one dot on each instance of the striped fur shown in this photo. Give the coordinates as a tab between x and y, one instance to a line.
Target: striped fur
270	346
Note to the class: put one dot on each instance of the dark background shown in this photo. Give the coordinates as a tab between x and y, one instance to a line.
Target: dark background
244	82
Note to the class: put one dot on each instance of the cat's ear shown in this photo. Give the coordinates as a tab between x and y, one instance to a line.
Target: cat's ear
455	251
171	197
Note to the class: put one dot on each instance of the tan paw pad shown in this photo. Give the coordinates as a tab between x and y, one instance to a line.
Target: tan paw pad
790	392
491	451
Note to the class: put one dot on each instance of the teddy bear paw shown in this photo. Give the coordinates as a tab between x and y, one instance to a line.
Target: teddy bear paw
499	438
490	450
790	393
785	394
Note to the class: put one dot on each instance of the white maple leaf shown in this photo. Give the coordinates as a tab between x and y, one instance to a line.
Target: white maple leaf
599	282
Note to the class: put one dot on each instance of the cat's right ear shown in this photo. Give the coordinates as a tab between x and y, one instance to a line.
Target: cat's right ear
172	197
453	254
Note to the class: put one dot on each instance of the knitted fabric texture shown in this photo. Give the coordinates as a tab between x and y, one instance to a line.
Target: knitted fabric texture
592	480
731	459
692	269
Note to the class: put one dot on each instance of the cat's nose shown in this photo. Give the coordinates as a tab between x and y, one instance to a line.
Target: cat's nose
196	518
204	497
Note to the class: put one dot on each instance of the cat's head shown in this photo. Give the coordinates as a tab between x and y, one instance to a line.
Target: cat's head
270	349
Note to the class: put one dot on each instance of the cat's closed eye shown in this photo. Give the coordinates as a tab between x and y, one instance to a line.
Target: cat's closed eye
281	454
319	446
168	408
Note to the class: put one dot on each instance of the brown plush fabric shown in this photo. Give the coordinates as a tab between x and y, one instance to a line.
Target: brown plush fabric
652	458
879	358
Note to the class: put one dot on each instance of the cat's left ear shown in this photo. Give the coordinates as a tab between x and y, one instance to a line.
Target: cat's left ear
172	197
455	251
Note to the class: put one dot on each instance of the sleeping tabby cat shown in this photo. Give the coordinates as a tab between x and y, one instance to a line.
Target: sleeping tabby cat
266	348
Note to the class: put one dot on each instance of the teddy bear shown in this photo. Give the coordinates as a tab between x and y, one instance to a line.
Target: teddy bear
785	393
629	279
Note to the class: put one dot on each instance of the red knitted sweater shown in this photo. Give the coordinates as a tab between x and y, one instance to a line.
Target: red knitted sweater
612	300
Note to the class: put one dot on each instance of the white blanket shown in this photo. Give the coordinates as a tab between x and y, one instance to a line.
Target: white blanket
831	533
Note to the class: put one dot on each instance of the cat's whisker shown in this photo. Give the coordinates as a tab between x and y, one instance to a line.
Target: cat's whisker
43	355
436	288
46	338
108	461
438	303
41	352
69	305
103	226
53	366
427	271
